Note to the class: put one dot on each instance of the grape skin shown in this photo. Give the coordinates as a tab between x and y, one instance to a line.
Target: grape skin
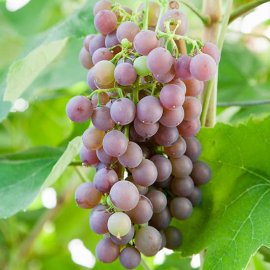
158	200
193	149
193	87
103	74
140	65
145	41
173	237
212	50
104	179
192	107
125	74
130	257
177	150
85	59
127	30
97	42
196	196
119	224
104	157
145	130
201	173
181	208
87	41
182	187
101	5
172	118
101	118
182	67
92	138
90	80
102	54
161	220
107	251
105	21
153	14
181	167
189	128
164	167
123	240
166	136
88	157
99	218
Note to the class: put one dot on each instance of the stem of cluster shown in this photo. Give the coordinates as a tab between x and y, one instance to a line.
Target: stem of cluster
146	14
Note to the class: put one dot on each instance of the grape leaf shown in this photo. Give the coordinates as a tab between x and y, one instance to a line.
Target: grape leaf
23	174
232	222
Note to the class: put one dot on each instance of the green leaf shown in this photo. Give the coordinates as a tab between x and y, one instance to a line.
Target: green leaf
23	174
232	222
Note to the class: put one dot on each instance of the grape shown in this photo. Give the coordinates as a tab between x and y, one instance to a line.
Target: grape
79	109
175	16
181	167
164	167
194	148
88	157
87	196
201	173
101	118
172	96
166	77
124	195
203	67
97	42
140	65
177	150
192	107
100	166
105	21
166	136
119	224
100	5
128	59
145	41
173	237
102	54
90	80
125	74
189	128
87	41
182	66
172	118
103	74
92	138
103	156
158	200
104	179
212	50
107	251
127	30
99	219
132	157
130	257
181	208
195	197
85	59
161	220
148	241
153	14
182	187
134	136
103	98
123	240
149	110
115	143
145	174
142	212
145	130
164	184
194	87
111	40
160	61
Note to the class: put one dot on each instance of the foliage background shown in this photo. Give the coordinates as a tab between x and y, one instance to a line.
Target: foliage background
39	72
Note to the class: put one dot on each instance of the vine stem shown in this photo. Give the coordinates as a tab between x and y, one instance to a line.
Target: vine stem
245	8
145	19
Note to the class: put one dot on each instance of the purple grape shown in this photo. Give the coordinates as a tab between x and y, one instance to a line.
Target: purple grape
166	136
182	67
181	208
104	157
196	196
85	59
97	42
194	87
130	257
201	173
102	54
103	74
101	5
107	251
189	128
105	21
164	167
99	218
172	118
88	158
123	240
161	220
173	237
87	41
127	30
172	96
181	167
92	138
111	40
182	187
165	78
101	118
90	80
194	148
192	107
212	50
145	130
158	200
104	179
145	41
125	74
177	150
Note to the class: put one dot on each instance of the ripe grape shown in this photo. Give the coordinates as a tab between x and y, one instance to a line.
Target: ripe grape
103	98
181	167
145	174
172	118
132	157
193	87
99	219
149	110
177	150
103	156
148	241
130	257
166	77
102	54
101	118
92	138
87	196
163	243
189	128
87	41
145	41
192	107
124	195
173	237
159	61
97	42
115	143
201	173
119	224
212	50
127	30
79	109
85	59
164	167
172	96
143	211
203	67
140	65
196	196
105	21
90	80
107	251
166	136
125	74
182	67
111	40
103	74
88	157
194	148
182	187
101	5
145	130
161	220
104	179
123	240
158	200
181	208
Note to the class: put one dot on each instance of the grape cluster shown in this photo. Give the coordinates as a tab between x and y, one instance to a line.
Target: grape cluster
145	114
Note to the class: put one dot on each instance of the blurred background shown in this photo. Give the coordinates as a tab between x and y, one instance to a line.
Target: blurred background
39	72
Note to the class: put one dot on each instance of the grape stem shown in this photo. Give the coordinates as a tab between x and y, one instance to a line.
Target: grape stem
245	8
146	14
